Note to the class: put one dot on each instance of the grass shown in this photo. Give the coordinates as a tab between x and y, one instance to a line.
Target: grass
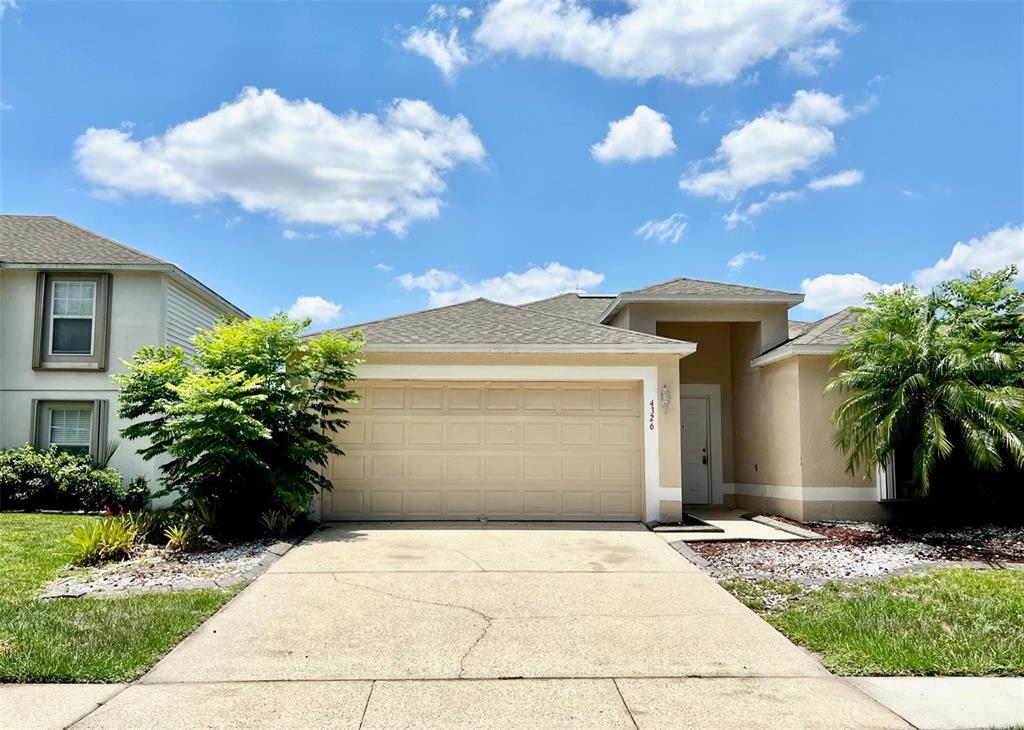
945	622
81	639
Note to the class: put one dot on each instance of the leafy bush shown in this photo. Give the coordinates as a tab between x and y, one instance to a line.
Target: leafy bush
32	479
108	538
248	423
181	536
136	494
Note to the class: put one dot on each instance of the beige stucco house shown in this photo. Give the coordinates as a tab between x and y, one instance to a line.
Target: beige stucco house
73	304
580	407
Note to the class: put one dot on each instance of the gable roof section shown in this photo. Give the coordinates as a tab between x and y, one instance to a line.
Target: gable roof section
682	289
481	325
823	337
584	307
48	240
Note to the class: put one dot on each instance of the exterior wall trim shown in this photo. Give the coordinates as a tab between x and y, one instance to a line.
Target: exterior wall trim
624	299
867	493
784	351
653	493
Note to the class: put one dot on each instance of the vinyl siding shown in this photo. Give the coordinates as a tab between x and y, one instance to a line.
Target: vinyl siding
185	315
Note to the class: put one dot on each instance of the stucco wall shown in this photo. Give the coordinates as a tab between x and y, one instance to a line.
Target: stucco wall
766	414
772	318
823	464
135	321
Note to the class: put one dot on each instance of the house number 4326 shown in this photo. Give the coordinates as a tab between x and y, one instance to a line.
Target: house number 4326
651	418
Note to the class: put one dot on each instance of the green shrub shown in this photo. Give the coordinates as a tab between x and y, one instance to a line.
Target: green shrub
181	536
108	538
32	479
247	424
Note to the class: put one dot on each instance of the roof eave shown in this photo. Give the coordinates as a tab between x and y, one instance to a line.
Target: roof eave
791	300
783	352
170	269
679	348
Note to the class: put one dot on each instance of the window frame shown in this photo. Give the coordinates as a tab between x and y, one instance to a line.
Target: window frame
42	419
43	357
55	316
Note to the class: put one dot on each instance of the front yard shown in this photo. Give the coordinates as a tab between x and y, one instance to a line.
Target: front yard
838	597
83	639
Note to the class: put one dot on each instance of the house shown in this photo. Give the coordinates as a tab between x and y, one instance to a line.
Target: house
73	304
580	407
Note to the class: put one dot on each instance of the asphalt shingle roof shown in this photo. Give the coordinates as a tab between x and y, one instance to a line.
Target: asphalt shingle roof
696	287
573	306
44	239
483	323
827	331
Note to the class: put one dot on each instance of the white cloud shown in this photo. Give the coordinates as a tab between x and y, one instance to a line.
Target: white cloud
232	221
298	235
831	292
537	282
771	147
383	267
994	250
464	13
696	43
669	230
743	258
7	5
4	106
737	216
843	179
317	309
443	51
705	114
430	280
810	60
295	159
644	134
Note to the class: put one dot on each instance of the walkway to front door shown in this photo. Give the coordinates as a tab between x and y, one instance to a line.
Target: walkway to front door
496	626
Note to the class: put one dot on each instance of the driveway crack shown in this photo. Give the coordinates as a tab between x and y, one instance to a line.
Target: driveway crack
628	711
362	718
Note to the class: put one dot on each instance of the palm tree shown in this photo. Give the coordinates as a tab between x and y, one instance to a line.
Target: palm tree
940	376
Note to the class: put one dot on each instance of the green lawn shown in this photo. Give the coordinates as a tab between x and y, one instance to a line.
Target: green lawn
945	622
81	639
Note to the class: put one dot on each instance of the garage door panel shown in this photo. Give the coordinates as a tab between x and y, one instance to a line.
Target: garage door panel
460	450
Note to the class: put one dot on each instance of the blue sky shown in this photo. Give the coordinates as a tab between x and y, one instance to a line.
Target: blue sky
364	155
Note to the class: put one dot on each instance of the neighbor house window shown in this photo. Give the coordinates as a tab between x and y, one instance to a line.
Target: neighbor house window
78	426
72	317
71	429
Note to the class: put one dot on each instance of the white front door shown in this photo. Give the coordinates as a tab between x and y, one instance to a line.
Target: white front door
696	451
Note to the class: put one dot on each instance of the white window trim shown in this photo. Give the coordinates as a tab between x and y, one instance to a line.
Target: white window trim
92	319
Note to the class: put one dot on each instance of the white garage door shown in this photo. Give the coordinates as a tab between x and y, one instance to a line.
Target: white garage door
504	450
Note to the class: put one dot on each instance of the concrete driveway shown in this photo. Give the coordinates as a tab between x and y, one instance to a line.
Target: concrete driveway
497	626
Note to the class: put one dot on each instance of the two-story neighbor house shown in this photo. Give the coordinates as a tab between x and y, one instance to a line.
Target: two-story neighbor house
73	304
583	407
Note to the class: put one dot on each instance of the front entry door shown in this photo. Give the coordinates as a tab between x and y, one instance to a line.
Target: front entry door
696	451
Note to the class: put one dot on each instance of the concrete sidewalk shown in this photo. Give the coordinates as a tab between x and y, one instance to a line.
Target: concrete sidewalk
503	626
950	703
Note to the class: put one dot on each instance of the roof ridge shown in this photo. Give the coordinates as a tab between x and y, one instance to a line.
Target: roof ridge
706	281
579	295
350	327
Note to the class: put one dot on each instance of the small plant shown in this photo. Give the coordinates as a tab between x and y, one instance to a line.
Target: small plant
180	536
136	494
143	523
108	538
276	522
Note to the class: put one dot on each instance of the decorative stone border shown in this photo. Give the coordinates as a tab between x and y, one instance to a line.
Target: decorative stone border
271	555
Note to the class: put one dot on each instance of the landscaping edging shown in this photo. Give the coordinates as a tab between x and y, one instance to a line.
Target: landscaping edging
67	587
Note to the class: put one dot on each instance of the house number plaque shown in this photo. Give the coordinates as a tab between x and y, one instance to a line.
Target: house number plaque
651	426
